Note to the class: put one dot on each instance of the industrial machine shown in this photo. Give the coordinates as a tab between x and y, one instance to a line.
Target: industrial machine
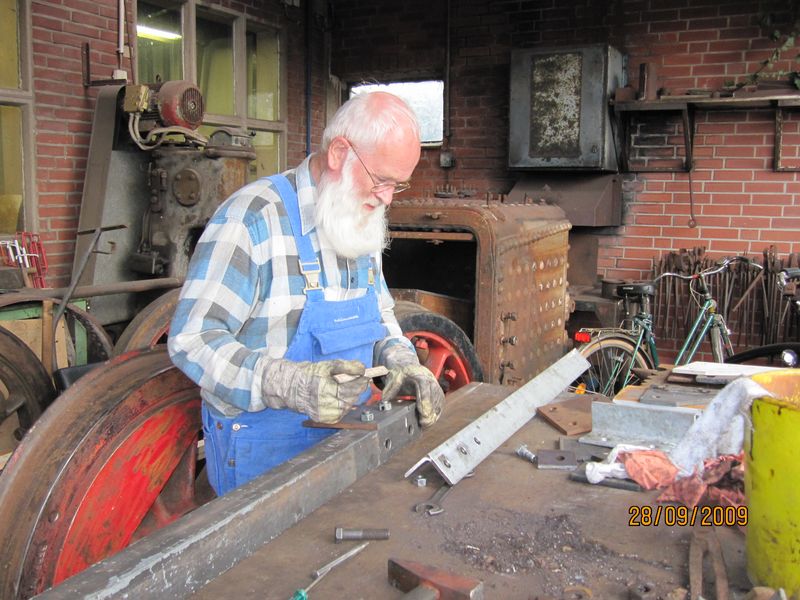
151	170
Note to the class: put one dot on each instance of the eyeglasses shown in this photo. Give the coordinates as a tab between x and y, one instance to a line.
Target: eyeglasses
377	188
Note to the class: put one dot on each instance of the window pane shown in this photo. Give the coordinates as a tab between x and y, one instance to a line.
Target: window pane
426	98
215	65
159	43
268	155
10	169
9	44
263	80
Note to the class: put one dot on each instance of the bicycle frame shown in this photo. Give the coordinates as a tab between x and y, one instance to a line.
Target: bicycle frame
707	318
633	343
643	322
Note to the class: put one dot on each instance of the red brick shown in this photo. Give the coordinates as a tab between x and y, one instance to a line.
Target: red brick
745	163
720	209
786	223
714	186
711	221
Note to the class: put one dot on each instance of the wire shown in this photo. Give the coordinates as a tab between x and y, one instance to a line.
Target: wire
158	136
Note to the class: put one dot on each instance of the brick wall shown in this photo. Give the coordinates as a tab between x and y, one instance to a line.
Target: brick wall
63	113
64	108
741	205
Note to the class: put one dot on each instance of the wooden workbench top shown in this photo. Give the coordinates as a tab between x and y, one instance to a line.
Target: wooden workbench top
526	533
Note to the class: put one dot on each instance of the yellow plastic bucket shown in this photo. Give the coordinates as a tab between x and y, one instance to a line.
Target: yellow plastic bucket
772	483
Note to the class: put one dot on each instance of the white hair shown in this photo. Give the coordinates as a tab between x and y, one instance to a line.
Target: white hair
368	118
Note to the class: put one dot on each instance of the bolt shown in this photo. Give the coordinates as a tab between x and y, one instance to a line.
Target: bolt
343	533
523	452
367	415
384	405
420	481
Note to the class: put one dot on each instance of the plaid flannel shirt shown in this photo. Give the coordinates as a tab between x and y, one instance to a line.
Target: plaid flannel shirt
243	295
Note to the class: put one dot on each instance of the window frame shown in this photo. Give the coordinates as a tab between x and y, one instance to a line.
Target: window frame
388	81
23	99
241	24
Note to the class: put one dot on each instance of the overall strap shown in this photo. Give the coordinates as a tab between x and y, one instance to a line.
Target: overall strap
309	264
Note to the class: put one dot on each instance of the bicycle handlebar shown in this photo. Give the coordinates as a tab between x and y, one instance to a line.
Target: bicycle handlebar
788	274
718	268
791	272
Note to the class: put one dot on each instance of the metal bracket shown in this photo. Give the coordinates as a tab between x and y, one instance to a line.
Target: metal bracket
623	422
465	450
87	70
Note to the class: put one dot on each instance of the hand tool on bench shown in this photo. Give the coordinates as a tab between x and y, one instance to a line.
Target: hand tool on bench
371	373
423	582
433	506
302	594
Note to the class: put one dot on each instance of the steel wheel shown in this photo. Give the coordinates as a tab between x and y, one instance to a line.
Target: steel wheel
442	346
150	326
114	459
25	387
609	359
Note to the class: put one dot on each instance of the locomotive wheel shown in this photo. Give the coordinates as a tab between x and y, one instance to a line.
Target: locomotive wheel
442	346
113	460
150	326
25	386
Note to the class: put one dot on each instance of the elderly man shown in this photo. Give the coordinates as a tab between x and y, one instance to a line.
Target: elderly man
285	290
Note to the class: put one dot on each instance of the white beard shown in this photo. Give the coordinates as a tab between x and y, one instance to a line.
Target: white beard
342	220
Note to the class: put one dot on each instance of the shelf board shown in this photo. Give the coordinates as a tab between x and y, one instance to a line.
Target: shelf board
667	103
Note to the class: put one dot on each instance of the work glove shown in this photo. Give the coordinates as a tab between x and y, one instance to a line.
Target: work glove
407	377
310	387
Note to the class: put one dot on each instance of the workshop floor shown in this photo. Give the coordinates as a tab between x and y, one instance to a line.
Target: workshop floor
526	533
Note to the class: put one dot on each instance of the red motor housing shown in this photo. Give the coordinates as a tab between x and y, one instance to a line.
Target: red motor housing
180	104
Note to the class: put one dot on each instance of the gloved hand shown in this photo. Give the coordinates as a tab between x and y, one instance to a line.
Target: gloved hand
309	387
407	377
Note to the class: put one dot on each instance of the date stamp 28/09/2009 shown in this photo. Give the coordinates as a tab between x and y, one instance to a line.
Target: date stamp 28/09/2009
670	515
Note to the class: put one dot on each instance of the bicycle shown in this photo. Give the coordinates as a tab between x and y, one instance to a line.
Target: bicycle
617	354
784	354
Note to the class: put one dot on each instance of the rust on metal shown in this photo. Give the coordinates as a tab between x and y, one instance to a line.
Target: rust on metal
555	105
517	284
408	575
113	459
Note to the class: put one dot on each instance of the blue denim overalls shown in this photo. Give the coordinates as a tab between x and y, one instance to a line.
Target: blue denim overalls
240	448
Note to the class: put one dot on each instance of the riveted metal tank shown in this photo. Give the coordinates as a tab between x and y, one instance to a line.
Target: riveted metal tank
501	269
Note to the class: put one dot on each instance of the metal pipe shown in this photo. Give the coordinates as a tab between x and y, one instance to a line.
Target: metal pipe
120	32
104	289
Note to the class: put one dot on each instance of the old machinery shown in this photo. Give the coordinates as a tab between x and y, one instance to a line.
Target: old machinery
152	170
558	110
497	270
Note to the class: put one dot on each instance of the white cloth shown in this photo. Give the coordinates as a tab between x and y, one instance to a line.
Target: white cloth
720	429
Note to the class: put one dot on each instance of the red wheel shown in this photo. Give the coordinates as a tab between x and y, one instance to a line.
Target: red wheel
114	459
150	326
441	345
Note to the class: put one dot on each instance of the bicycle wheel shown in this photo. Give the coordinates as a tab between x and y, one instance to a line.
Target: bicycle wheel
610	358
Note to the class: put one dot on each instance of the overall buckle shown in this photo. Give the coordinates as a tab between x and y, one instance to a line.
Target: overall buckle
310	271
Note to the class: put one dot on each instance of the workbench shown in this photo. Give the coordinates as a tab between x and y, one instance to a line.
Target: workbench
525	532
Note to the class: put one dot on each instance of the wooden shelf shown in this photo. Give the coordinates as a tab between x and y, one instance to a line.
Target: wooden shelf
671	103
687	105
